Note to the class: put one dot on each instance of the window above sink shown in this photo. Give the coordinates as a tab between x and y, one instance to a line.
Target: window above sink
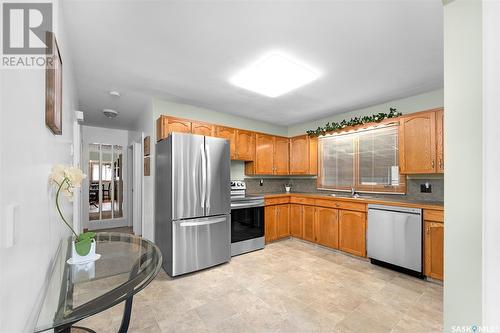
366	160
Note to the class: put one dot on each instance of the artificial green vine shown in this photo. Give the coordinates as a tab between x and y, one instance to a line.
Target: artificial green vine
376	118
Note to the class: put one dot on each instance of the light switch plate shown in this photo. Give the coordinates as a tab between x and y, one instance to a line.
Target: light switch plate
9	225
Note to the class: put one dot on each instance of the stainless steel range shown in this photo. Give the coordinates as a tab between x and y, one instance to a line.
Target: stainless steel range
247	220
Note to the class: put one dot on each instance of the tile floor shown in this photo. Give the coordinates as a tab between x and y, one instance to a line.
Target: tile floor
290	286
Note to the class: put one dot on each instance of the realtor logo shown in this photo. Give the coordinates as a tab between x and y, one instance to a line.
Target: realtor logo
25	27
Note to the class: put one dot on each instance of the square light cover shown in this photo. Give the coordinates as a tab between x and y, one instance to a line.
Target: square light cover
274	74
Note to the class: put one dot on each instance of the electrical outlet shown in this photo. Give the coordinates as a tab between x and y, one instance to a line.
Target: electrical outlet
425	188
261	183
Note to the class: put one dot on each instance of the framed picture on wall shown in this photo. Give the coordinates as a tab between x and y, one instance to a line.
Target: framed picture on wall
53	86
147	146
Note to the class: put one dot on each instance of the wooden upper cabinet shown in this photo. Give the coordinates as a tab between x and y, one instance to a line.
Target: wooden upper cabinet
434	250
417	143
229	134
245	145
303	155
202	129
166	125
283	221
327	227
280	156
309	234
296	221
264	154
440	140
352	232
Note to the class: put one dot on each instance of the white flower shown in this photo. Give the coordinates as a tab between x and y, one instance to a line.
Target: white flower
68	177
57	174
75	176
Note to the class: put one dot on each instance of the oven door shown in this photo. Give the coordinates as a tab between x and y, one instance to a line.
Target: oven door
247	223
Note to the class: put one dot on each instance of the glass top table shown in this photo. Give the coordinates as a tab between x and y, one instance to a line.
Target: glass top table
127	265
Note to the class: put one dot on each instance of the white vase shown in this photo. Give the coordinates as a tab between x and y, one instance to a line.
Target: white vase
78	259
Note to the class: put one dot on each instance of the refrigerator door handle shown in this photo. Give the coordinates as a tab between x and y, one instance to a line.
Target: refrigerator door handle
208	179
203	222
203	177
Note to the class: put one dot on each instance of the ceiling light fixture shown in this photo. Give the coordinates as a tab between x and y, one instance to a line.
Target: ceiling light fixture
110	113
114	93
275	74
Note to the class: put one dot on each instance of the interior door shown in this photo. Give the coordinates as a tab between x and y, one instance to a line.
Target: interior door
187	153
137	188
218	191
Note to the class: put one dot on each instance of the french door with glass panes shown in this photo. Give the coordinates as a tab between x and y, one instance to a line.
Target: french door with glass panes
105	179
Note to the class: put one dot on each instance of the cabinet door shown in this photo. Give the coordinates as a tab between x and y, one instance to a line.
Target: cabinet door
264	149
283	221
327	227
229	134
203	129
281	156
296	221
440	140
417	143
245	145
161	128
352	232
433	248
270	223
299	155
309	223
166	125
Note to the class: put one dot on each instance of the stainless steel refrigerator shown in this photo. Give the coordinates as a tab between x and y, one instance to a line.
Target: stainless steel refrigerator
193	202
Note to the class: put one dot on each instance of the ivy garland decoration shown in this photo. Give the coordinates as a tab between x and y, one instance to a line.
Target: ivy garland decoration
376	118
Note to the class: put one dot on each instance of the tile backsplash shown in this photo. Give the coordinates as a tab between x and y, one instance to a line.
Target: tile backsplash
308	185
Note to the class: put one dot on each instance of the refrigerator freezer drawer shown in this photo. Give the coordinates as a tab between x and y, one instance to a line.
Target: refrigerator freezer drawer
200	243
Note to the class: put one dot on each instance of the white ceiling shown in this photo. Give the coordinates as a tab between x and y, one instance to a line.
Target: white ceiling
369	52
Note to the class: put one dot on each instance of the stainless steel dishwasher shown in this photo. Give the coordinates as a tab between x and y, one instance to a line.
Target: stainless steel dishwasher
394	238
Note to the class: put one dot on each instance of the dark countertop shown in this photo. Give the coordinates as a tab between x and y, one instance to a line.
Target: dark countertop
368	198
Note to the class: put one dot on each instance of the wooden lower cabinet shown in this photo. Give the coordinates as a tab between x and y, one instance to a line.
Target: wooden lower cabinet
352	232
308	213
327	227
276	222
434	250
296	221
283	221
270	223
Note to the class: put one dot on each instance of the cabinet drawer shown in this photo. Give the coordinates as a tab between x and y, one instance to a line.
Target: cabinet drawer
433	215
303	201
347	205
277	201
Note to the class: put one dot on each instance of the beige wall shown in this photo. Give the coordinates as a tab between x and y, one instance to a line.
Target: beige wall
463	155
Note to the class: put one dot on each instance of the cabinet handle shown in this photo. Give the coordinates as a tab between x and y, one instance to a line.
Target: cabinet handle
433	164
440	163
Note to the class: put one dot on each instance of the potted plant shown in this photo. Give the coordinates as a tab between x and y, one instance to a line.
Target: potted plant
66	179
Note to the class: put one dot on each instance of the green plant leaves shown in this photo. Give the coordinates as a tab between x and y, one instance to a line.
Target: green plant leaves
84	243
376	118
85	235
83	246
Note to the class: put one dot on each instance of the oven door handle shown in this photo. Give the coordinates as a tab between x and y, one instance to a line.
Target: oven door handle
247	205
